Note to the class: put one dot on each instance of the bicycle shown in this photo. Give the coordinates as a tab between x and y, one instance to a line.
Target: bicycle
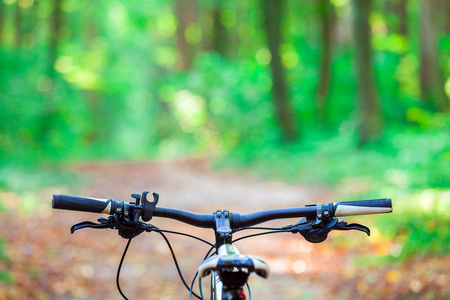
228	269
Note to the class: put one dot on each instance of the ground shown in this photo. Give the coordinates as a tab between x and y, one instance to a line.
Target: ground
47	262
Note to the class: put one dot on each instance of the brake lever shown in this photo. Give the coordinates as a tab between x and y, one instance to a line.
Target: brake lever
104	223
352	226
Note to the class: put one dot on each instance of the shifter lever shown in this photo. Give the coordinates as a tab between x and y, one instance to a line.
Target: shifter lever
317	233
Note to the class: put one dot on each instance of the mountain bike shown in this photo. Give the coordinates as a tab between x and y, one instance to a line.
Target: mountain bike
228	269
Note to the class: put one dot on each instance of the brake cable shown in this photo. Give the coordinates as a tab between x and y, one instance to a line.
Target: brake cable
183	234
200	279
161	232
177	266
261	228
120	264
258	234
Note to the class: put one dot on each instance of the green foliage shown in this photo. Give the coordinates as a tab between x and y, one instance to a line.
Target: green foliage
413	159
115	81
115	91
411	167
3	256
29	179
420	224
5	276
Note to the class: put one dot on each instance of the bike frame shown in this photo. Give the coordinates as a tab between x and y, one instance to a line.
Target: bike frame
216	286
218	289
228	267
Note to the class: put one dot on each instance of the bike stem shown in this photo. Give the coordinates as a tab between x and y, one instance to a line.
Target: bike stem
222	228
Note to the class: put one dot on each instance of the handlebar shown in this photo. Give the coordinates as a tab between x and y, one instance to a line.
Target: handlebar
130	220
335	209
87	204
362	207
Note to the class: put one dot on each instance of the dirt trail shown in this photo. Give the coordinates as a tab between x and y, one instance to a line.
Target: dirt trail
49	263
191	184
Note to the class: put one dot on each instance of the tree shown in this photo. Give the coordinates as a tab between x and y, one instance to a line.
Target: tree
431	76
219	32
55	32
370	127
2	18
186	11
283	107
18	24
447	19
326	13
403	16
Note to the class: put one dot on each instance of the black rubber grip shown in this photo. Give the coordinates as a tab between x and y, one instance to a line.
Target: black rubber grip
82	204
362	207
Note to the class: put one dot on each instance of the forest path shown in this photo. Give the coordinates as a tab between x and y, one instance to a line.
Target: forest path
47	262
192	185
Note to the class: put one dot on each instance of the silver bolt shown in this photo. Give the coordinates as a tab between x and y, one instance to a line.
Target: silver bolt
126	213
319	215
326	213
118	209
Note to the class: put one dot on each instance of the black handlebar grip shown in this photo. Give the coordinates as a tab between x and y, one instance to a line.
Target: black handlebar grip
77	203
362	207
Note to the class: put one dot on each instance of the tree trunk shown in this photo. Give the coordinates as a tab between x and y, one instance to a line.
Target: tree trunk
187	14
431	76
2	19
18	24
447	19
283	108
30	20
90	32
55	32
370	127
218	33
327	17
403	16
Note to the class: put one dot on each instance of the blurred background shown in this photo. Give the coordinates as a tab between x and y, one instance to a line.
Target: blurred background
325	100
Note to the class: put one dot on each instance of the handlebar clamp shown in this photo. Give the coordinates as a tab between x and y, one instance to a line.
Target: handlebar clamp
148	207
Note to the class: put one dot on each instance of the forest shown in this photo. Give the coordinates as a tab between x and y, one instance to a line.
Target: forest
351	95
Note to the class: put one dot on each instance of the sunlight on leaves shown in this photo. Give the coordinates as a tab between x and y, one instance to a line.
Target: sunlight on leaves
189	110
378	25
393	43
64	64
193	34
84	79
70	6
289	56
167	24
447	88
263	56
26	3
406	75
228	18
118	17
166	56
340	3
